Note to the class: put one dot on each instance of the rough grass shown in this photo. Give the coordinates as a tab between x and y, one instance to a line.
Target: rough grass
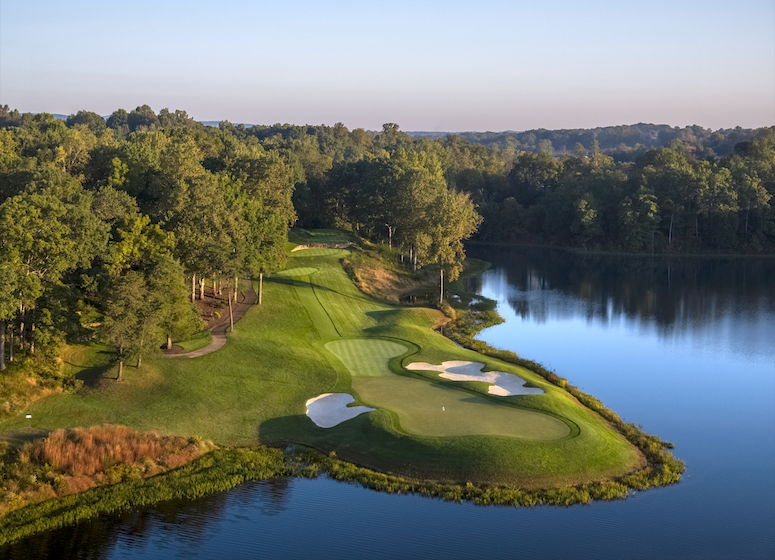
195	342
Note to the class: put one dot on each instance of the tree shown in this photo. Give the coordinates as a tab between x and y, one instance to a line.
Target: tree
452	218
119	121
545	147
146	295
415	181
126	306
9	264
142	118
92	121
531	175
639	219
751	193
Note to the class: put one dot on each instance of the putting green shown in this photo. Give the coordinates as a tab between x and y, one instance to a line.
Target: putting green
366	357
338	253
299	271
427	409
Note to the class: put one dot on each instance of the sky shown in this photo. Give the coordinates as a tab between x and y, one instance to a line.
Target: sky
426	65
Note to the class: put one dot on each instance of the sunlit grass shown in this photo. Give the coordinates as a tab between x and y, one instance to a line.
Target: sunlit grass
254	390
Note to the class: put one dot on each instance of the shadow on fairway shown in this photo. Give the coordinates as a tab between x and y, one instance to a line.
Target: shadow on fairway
370	441
91	376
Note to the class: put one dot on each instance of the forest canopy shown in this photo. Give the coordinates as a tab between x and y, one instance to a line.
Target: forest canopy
123	219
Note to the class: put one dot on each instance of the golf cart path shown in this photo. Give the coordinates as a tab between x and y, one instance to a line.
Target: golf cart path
218	333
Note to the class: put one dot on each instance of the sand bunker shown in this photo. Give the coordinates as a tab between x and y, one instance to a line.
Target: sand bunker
330	409
503	384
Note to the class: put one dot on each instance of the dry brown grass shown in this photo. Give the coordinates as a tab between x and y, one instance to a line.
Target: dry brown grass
69	461
375	281
87	451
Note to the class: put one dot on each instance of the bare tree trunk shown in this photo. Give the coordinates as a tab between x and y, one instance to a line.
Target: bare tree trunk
21	328
441	296
260	286
231	316
32	334
2	345
120	364
10	343
236	288
169	341
139	355
202	289
670	234
747	210
414	259
193	288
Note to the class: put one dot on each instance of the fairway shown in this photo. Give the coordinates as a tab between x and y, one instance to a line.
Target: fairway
298	271
337	253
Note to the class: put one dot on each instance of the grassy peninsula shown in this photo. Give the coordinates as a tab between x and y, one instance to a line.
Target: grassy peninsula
316	333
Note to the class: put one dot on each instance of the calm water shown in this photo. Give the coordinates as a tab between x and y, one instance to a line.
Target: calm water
686	348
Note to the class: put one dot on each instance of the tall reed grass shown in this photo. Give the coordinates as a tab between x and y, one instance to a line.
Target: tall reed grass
69	461
215	471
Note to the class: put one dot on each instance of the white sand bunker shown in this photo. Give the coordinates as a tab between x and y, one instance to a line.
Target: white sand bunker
330	409
503	384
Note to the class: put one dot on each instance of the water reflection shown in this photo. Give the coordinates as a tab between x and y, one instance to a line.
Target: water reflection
683	347
191	522
728	301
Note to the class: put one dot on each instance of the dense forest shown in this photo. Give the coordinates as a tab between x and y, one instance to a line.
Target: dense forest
121	222
118	225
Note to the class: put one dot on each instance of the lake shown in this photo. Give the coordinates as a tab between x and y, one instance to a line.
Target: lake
685	347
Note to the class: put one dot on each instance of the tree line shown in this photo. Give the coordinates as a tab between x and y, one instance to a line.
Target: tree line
125	220
123	223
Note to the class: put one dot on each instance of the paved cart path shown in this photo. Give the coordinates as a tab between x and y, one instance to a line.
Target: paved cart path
219	331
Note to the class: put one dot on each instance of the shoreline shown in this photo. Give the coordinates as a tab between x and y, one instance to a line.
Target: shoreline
308	460
602	252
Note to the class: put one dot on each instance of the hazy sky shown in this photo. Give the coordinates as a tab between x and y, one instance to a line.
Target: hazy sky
426	65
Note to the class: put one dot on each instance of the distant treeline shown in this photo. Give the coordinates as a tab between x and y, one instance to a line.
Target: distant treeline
623	143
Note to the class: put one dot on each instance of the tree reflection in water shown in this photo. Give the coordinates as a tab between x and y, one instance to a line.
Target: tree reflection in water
194	522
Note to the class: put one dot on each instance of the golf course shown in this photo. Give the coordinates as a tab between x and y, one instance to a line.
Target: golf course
316	334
